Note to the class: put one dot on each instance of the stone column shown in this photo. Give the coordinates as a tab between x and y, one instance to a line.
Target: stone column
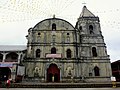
4	56
19	57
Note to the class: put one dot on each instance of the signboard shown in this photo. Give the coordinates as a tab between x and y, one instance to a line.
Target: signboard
113	79
6	64
21	70
53	55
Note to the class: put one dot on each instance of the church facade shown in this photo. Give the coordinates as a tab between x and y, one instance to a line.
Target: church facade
57	51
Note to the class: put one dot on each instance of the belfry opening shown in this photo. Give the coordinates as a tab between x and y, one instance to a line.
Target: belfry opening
53	73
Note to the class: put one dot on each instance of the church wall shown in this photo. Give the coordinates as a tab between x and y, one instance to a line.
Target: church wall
29	69
88	68
35	68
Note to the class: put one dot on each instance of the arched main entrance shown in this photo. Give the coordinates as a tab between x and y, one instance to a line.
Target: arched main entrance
5	73
53	73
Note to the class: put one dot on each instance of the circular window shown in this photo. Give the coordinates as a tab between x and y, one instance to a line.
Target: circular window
68	34
38	33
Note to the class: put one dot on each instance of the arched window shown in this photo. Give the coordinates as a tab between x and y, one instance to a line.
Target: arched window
38	37
68	53
37	53
96	71
11	57
53	26
91	29
94	52
68	39
80	27
1	57
53	50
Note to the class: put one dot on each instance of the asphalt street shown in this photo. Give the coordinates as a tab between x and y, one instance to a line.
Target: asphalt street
59	88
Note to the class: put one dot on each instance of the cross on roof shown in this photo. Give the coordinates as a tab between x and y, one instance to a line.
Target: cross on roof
84	3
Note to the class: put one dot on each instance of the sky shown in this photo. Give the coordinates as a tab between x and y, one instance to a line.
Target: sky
17	16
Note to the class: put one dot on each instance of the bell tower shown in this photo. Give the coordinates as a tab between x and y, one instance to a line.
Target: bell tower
92	48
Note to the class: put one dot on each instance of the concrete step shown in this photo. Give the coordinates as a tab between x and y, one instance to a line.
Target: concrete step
63	85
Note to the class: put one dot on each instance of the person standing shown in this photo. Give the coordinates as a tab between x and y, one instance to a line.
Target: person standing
8	83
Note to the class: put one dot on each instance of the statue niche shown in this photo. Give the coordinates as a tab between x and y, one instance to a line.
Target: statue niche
36	72
69	71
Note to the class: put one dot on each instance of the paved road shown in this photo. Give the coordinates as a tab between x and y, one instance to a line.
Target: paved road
60	89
